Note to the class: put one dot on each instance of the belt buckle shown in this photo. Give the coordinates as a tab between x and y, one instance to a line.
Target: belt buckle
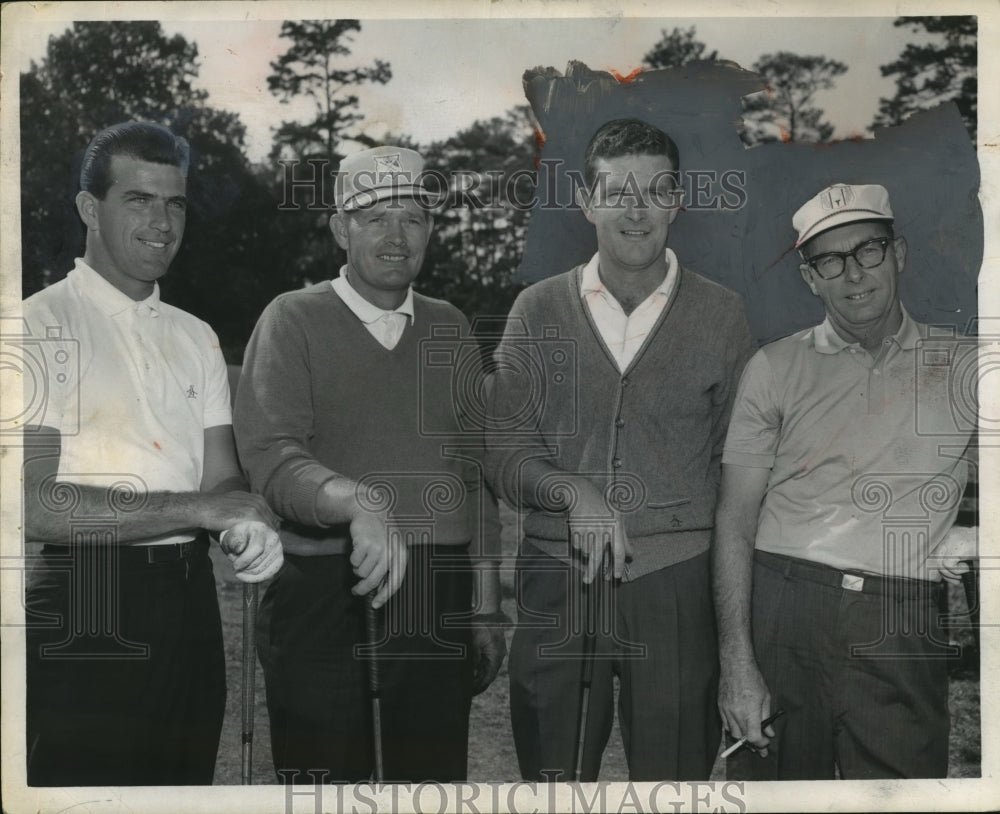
852	582
170	552
154	554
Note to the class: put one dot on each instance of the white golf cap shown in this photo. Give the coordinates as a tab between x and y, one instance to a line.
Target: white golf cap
839	204
378	173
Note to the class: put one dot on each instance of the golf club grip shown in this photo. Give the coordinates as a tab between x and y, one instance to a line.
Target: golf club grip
371	635
970	581
249	654
593	602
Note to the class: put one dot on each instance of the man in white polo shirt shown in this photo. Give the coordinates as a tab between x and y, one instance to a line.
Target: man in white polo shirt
129	463
843	468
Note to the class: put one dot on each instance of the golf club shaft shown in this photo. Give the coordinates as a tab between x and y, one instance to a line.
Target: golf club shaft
249	679
371	633
592	594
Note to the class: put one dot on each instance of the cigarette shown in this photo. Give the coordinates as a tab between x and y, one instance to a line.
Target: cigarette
742	741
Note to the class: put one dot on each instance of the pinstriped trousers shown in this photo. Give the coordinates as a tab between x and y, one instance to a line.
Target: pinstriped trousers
863	679
658	637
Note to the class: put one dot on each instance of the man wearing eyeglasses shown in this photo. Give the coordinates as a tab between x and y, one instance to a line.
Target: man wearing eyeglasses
842	471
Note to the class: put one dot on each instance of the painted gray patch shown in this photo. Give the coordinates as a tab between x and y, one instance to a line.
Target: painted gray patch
928	164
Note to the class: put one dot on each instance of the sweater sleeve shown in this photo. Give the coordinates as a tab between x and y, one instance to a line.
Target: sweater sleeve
485	514
515	410
484	511
739	347
273	417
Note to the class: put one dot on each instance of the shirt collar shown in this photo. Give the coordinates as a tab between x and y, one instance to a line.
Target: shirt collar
827	340
365	311
590	279
107	297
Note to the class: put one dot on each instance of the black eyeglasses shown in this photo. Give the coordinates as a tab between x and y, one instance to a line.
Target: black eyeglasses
868	255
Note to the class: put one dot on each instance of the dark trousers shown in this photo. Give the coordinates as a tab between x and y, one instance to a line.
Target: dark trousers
126	683
311	641
658	637
862	676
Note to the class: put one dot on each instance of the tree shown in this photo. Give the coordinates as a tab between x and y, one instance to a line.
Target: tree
786	110
677	48
69	98
312	67
937	72
97	74
479	236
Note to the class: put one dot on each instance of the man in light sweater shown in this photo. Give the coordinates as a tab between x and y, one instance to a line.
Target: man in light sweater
843	468
379	480
610	439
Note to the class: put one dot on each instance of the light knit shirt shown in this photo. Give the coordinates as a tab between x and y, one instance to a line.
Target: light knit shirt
131	386
866	453
623	334
386	326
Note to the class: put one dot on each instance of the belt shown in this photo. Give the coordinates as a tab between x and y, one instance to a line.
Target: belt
899	587
141	555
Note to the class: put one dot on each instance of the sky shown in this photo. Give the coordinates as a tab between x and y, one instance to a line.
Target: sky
449	72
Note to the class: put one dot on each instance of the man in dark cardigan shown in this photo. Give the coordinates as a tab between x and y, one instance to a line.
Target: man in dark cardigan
379	480
610	439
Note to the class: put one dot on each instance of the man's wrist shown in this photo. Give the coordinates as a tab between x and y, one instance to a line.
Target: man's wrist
337	502
186	509
493	619
736	660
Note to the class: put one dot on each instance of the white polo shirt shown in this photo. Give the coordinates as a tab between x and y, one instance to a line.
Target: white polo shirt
131	386
624	334
386	326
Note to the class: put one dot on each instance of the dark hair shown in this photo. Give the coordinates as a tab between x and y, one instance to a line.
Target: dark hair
889	232
627	137
143	141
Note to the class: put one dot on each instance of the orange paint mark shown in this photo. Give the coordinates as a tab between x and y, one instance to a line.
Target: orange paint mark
539	143
157	445
781	257
626	78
